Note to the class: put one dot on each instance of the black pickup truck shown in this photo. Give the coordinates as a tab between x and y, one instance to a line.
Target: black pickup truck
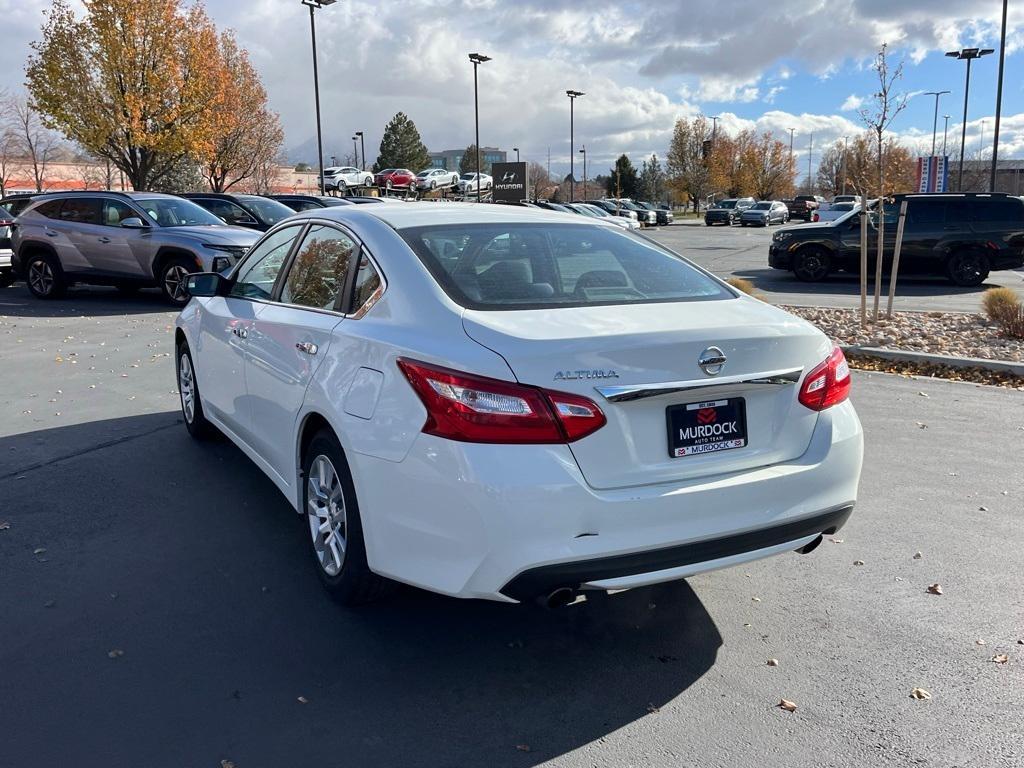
959	236
804	206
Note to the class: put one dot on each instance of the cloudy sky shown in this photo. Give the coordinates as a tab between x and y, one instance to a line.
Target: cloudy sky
776	65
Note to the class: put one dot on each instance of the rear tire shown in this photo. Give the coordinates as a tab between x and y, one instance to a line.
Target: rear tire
173	279
967	268
188	393
334	528
812	265
44	276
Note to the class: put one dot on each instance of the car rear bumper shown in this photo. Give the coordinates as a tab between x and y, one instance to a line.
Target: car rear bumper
718	218
512	522
6	258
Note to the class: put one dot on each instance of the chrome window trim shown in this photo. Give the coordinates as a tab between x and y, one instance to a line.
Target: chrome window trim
626	393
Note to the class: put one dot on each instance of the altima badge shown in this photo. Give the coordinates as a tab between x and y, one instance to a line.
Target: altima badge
573	375
712	361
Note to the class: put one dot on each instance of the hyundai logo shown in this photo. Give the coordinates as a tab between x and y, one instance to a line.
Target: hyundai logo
509	176
712	361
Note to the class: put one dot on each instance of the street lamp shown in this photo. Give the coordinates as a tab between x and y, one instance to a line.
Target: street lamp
945	130
810	154
313	6
714	129
935	120
572	139
355	150
584	153
792	170
968	55
477	59
334	160
362	149
846	145
999	101
516	150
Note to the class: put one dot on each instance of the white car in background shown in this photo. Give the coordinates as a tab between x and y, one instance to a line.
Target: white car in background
507	403
468	183
834	211
436	178
341	179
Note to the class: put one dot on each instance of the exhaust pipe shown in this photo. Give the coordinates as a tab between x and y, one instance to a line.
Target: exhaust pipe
560	597
806	549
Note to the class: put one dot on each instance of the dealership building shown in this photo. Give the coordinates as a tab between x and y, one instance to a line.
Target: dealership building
449	159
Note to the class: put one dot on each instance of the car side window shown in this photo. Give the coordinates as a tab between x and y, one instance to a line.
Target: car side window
81	210
225	209
367	287
114	212
319	268
258	273
50	209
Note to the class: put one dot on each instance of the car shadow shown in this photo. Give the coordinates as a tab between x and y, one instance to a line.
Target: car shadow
780	281
173	617
93	301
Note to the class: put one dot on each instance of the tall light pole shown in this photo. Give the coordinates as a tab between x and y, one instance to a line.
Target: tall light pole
362	149
355	151
846	145
477	59
981	141
945	130
714	129
935	120
810	154
313	6
516	150
584	153
792	170
999	101
334	160
968	55
572	140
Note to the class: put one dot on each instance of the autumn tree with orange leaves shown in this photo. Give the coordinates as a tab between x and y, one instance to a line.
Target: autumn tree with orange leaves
145	85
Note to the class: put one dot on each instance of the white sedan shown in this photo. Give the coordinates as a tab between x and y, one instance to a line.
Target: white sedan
436	178
343	178
506	403
468	183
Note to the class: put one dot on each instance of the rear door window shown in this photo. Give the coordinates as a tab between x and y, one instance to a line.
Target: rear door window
50	209
82	210
997	211
535	266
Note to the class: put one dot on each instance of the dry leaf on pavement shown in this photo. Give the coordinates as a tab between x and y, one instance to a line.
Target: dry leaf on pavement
858	562
920	693
302	700
935	589
773	662
787	705
918	555
117	652
523	747
1000	658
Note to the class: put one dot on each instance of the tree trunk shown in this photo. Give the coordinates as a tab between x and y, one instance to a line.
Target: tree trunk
881	227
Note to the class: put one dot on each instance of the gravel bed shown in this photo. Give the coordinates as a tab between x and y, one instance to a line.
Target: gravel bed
939	333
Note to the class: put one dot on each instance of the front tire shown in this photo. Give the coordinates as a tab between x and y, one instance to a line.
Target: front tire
188	393
812	265
44	276
174	280
335	531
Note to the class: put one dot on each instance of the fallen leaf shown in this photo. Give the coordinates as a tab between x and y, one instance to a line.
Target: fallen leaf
773	662
787	705
38	550
756	599
920	693
918	555
837	541
302	700
4	526
523	747
923	394
1000	658
922	425
858	562
979	641
226	764
653	709
935	589
983	509
117	652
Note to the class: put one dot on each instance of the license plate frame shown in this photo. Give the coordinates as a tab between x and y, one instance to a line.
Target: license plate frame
707	426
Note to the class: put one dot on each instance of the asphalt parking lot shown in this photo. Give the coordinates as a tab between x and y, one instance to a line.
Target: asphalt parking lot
743	252
158	608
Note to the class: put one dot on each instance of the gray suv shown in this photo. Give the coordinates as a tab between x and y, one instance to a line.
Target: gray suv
125	239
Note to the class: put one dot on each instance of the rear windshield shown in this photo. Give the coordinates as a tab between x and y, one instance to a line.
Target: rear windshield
271	211
762	206
725	204
545	265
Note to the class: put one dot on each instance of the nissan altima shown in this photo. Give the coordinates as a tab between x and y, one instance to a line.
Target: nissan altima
509	403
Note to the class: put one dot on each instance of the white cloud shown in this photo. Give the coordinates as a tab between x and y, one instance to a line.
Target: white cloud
853	103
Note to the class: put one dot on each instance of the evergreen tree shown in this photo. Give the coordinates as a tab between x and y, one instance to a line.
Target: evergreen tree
402	146
652	180
467	163
623	180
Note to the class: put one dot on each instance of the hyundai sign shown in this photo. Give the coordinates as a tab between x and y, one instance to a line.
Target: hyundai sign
510	182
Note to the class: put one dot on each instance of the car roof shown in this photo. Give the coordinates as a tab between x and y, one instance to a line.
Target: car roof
421	214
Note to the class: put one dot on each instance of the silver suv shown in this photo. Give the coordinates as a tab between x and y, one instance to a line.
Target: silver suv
126	239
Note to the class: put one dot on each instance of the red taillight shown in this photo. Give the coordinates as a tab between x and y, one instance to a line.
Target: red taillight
828	384
474	409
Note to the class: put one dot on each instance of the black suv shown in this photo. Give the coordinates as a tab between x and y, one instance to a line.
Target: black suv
309	202
727	211
958	236
250	211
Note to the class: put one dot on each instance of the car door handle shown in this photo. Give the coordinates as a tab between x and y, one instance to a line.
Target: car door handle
307	347
240	332
51	233
104	239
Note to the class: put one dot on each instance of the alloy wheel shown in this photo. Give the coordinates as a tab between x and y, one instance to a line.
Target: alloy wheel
176	282
187	387
40	277
325	510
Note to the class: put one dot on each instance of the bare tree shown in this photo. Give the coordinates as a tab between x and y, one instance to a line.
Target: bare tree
37	143
885	106
540	182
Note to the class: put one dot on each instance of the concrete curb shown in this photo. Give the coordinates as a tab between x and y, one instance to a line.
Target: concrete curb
903	356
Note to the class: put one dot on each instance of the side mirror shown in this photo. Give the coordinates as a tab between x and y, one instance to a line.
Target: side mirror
207	284
133	222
